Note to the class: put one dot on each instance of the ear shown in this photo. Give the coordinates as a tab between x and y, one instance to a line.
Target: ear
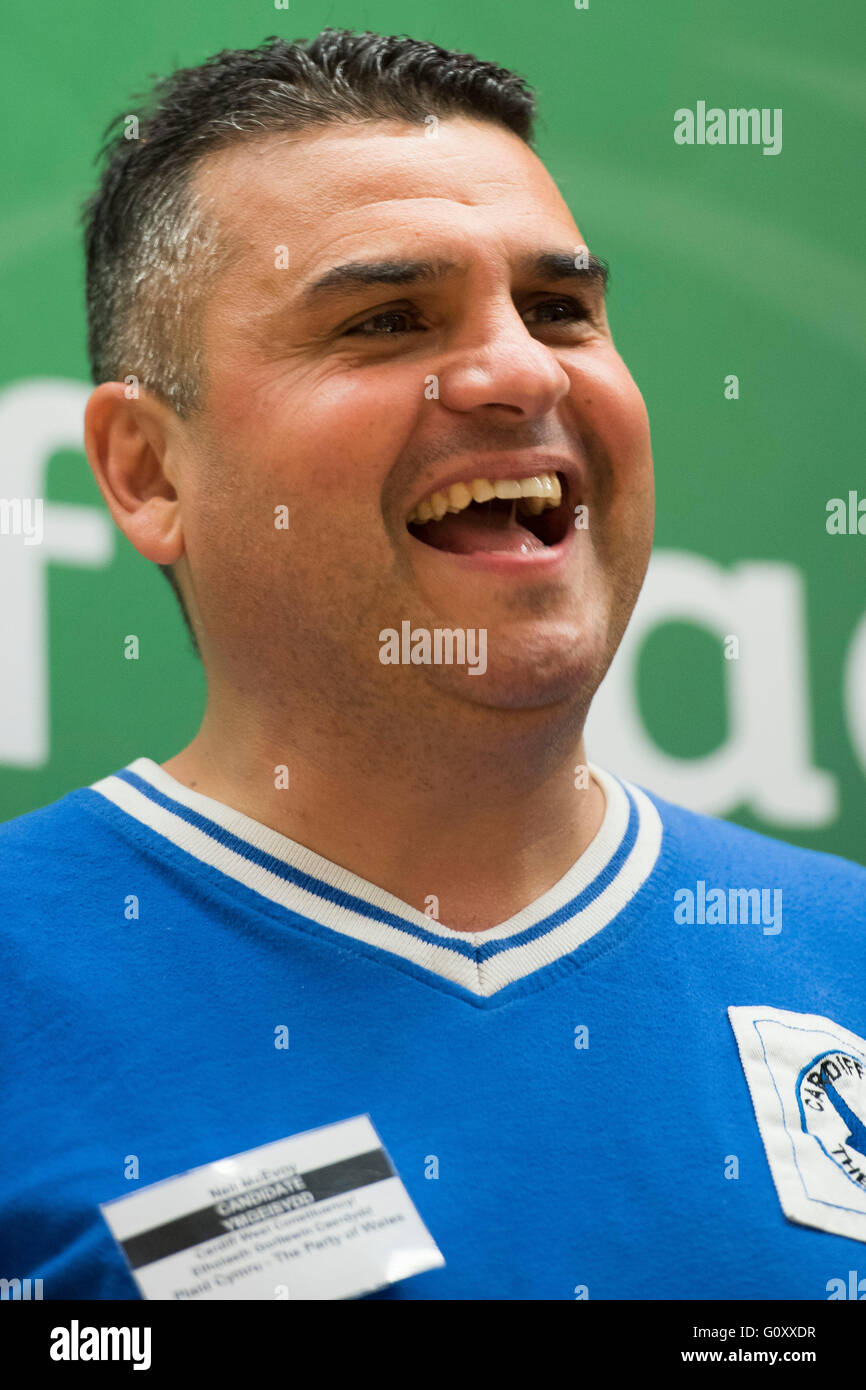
133	447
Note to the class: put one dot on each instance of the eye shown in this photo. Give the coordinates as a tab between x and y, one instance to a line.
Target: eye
389	321
554	311
397	322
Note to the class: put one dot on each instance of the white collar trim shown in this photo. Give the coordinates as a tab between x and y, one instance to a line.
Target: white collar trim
592	892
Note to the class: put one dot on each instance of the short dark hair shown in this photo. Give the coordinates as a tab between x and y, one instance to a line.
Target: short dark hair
152	248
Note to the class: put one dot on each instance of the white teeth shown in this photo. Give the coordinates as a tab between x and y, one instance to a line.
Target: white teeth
532	487
507	487
535	494
459	496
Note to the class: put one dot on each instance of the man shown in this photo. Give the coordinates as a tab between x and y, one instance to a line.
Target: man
356	393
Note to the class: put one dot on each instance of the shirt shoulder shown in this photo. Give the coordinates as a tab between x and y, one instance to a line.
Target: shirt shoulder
58	860
66	827
708	845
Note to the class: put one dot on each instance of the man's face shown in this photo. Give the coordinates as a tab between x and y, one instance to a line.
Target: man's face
352	402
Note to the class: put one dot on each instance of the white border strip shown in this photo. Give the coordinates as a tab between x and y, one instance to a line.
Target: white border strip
482	979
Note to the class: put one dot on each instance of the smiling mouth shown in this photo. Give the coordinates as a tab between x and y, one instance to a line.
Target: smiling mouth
498	515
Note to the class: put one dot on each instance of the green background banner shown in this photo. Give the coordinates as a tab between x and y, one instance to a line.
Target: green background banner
741	687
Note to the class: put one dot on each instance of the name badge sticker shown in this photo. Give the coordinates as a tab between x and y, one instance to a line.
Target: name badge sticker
318	1215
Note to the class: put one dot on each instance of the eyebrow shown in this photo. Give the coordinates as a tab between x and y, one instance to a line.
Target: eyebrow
547	265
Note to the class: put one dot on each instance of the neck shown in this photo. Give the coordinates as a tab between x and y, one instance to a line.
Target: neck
471	831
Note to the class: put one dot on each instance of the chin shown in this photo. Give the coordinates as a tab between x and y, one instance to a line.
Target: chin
557	675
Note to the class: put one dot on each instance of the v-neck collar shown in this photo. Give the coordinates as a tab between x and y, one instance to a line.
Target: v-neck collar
586	899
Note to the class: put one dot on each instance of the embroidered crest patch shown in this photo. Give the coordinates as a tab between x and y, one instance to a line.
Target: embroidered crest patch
807	1079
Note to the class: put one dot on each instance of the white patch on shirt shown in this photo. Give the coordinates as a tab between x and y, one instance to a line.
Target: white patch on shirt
807	1078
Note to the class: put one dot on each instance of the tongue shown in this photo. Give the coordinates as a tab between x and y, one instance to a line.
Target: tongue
480	529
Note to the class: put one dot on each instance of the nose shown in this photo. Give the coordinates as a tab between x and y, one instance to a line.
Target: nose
500	367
